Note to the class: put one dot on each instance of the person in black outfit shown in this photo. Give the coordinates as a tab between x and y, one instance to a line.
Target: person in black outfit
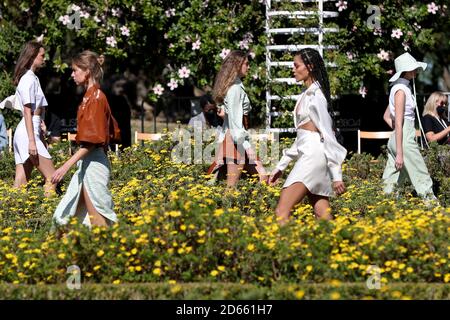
434	124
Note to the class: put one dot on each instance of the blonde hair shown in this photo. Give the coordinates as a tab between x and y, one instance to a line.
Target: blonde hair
88	60
229	71
430	106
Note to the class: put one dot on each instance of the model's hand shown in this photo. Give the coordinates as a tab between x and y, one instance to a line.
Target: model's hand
399	161
43	127
338	187
274	176
33	152
221	112
251	155
59	174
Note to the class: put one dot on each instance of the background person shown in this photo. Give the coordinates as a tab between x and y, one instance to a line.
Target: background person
404	158
434	124
235	151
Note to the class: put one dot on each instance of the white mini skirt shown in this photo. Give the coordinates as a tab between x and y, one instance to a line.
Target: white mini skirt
21	141
311	166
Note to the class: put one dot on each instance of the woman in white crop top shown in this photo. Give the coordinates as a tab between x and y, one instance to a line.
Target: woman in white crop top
317	171
404	158
29	147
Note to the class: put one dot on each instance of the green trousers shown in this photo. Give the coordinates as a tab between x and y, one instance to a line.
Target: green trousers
414	167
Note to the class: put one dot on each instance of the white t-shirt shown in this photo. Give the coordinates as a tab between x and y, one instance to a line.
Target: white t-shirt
29	91
402	84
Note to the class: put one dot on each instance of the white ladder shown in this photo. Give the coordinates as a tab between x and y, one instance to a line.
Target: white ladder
319	31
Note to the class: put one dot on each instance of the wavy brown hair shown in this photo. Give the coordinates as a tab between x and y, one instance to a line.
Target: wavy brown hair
229	71
89	60
29	52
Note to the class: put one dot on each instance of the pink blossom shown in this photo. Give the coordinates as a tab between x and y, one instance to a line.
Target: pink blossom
172	84
354	28
224	53
341	5
116	12
75	8
125	31
170	13
184	72
96	19
255	76
196	45
158	89
432	8
243	44
406	46
396	33
377	32
363	91
350	55
84	14
64	19
383	55
390	72
111	41
252	54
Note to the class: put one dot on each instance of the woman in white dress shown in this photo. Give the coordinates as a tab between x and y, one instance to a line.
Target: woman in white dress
29	148
317	171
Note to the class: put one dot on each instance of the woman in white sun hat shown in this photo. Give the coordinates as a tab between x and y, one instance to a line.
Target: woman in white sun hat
404	158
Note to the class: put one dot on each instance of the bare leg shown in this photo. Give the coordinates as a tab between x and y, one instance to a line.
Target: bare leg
96	218
23	173
47	169
289	197
321	207
233	173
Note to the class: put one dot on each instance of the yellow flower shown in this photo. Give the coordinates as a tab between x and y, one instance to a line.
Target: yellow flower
157	271
335	295
201	233
61	256
309	268
251	247
228	252
96	268
100	253
158	263
221	268
214	273
409	270
299	294
134	251
116	281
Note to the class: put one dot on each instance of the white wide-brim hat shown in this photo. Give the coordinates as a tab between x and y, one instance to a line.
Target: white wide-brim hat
406	62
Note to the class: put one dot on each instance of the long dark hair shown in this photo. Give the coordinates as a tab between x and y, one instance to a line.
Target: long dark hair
316	67
29	52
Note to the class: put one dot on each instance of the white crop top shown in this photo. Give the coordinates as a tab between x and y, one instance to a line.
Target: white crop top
402	84
29	91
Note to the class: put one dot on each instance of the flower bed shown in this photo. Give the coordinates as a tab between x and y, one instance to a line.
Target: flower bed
174	227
